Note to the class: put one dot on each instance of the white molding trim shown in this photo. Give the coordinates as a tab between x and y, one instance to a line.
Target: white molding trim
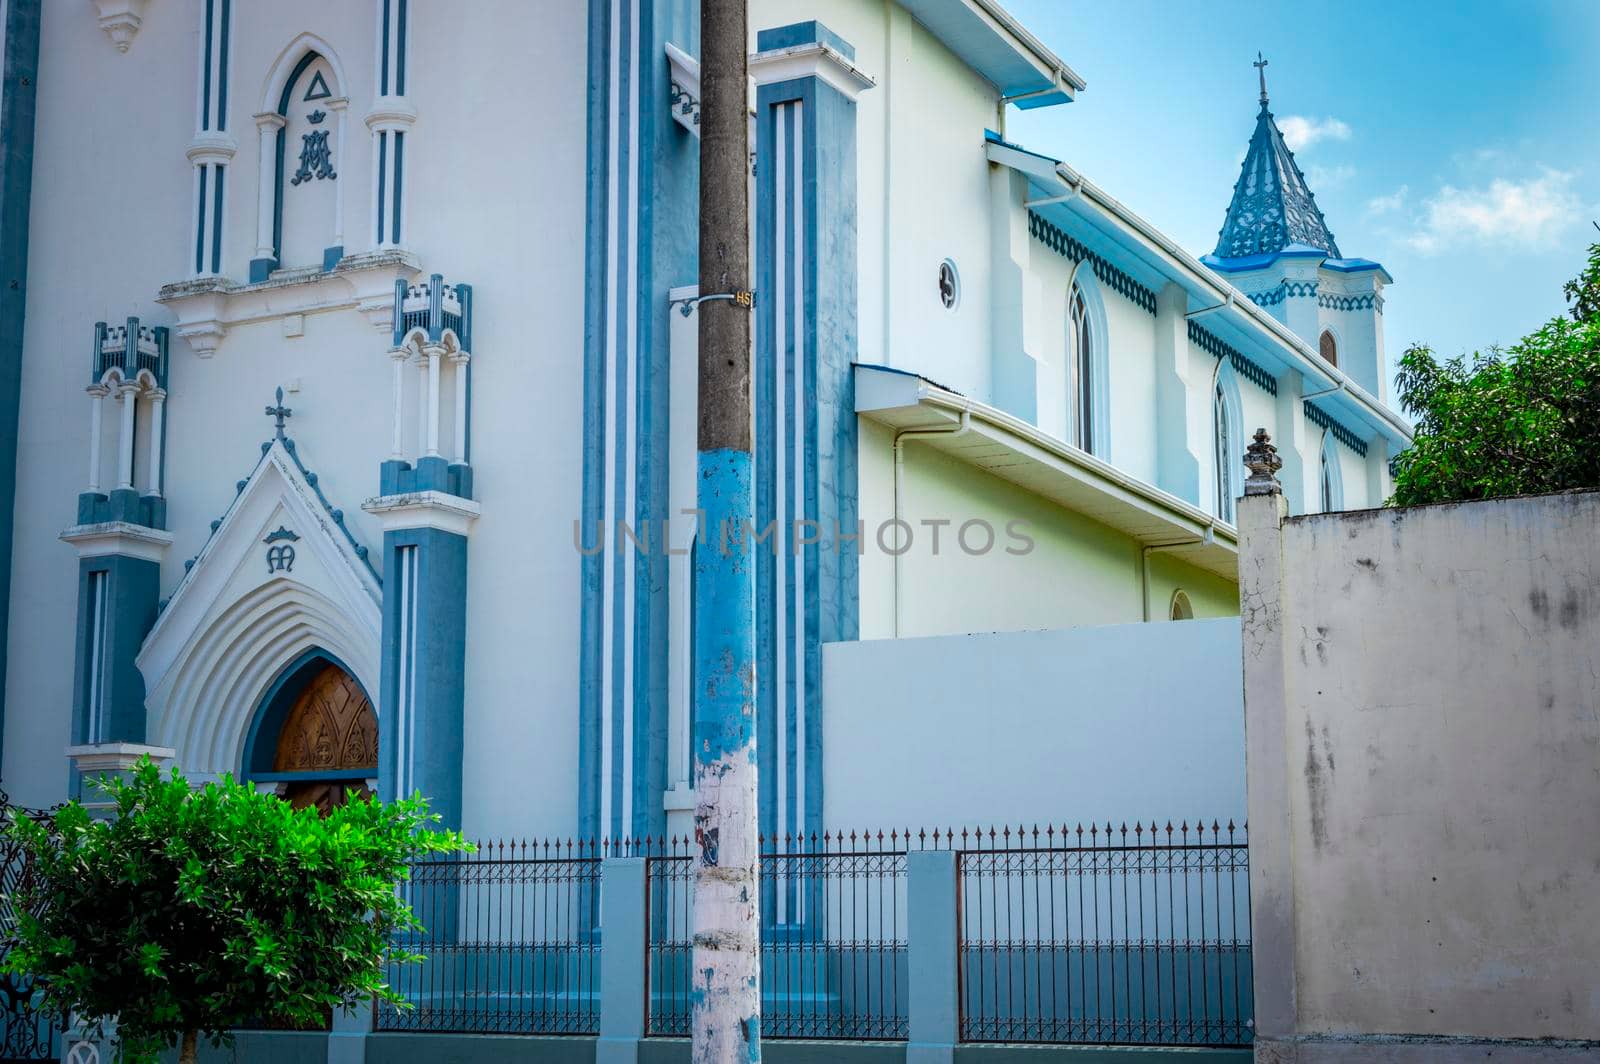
232	625
424	509
121	20
821	61
207	307
684	76
118	537
212	147
396	114
115	757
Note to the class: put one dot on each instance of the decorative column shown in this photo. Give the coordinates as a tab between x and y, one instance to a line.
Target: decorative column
432	355
397	359
806	590
427	514
390	121
212	149
269	124
335	251
158	403
97	404
127	392
460	362
121	542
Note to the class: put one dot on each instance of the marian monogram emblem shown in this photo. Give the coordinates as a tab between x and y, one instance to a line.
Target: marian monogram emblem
316	158
280	552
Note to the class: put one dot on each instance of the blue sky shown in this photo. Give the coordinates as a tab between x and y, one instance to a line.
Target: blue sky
1457	143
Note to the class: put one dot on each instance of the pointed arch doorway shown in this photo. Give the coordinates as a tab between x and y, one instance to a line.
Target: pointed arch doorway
315	737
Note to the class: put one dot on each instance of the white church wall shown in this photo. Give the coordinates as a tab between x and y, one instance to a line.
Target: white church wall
102	248
1132	386
99	249
916	727
513	227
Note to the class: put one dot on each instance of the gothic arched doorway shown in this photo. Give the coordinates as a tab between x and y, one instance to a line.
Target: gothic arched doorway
316	737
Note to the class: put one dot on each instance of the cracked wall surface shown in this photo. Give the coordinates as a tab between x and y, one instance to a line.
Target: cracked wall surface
1438	707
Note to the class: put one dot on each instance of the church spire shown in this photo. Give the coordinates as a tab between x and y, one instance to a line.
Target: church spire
1272	209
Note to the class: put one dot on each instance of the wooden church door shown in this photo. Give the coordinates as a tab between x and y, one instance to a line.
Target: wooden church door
331	729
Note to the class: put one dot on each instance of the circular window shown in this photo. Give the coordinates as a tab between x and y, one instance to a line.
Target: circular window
949	284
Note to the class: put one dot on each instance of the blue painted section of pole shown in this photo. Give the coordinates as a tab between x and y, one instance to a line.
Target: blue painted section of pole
725	988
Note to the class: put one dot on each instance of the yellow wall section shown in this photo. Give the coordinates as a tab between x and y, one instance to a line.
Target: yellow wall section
1079	572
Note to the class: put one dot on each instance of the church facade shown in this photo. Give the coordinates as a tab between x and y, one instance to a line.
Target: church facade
381	472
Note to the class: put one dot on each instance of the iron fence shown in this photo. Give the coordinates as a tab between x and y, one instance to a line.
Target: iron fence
833	944
27	1032
1134	936
511	943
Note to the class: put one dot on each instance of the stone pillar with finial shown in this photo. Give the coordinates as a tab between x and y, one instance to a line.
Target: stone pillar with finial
1261	515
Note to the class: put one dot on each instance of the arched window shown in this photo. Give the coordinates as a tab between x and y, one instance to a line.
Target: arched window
1331	476
1182	609
1328	347
1081	382
1226	439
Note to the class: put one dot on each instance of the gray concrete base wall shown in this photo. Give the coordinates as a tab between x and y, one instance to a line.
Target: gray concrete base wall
1420	1050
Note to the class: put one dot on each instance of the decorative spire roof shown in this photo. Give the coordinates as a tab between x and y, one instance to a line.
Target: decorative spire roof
1272	208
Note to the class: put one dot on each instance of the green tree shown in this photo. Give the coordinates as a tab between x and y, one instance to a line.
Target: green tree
1514	422
192	911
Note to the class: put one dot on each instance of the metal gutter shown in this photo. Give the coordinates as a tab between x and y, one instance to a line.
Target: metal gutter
1181	511
1031	44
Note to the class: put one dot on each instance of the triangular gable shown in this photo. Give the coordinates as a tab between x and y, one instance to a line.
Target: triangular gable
251	600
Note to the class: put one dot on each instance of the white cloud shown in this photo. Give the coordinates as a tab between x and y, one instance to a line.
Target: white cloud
1322	178
1302	132
1526	213
1392	202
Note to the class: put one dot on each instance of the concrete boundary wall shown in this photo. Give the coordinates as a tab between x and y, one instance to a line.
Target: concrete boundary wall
1422	692
1117	722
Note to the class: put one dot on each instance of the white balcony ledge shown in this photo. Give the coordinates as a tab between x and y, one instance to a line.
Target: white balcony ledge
207	307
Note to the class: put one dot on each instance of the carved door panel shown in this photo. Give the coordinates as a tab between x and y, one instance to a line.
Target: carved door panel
331	728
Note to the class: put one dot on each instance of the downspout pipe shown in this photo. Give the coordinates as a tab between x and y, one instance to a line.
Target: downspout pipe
1144	560
961	428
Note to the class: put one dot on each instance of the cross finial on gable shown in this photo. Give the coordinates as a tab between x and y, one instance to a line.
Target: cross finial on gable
279	412
1261	71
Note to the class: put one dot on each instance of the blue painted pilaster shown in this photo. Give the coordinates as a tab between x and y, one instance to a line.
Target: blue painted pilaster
19	74
641	226
117	605
932	957
424	662
806	342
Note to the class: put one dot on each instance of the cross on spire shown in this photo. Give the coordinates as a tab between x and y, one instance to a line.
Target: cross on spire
1261	71
279	412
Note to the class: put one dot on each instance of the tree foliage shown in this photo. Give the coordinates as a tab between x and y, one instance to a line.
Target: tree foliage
192	911
1516	422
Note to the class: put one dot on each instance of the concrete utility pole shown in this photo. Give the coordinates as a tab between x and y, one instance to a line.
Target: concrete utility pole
726	964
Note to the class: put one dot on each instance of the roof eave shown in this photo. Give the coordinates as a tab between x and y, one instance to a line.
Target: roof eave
994	44
1157	249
